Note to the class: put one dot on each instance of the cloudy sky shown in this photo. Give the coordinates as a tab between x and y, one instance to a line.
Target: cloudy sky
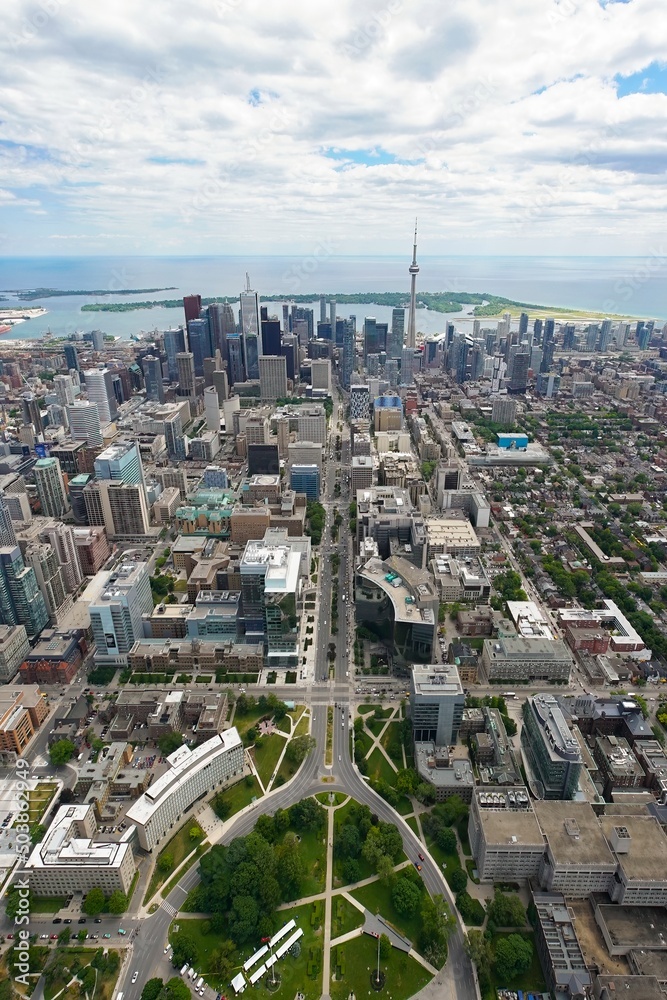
267	126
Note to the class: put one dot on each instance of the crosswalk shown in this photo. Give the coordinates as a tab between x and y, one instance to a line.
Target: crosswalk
171	910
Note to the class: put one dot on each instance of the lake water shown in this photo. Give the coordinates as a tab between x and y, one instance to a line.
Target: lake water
633	286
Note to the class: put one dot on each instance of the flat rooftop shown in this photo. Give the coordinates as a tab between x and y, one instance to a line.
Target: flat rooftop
574	834
512	827
436	679
635	926
647	858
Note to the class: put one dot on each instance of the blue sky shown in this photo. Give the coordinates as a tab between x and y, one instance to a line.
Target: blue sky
234	126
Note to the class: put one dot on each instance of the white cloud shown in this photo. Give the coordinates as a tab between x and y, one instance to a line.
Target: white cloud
194	125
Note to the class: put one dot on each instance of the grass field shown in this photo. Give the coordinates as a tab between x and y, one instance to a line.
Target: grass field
266	755
325	798
37	959
202	849
178	847
376	897
412	823
302	974
365	709
404	976
47	904
392	738
379	768
240	795
68	961
531	981
365	741
245	722
303	726
376	725
39	798
452	861
313	848
344	916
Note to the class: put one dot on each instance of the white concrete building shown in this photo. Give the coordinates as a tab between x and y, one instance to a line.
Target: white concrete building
191	775
68	859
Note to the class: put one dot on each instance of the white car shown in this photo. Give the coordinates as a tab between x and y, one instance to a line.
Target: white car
135	976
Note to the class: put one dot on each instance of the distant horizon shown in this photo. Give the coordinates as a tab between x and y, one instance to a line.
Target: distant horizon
348	256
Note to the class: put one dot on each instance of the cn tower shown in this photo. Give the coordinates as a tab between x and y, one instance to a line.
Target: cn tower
413	270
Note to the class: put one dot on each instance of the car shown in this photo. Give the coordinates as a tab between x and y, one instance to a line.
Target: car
418	867
97	920
338	756
44	937
166	950
106	936
81	920
121	932
67	920
135	976
421	857
54	937
57	920
10	937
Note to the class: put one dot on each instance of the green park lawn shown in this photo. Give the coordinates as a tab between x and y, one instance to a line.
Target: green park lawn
294	972
376	897
47	904
313	849
66	958
365	741
442	858
344	916
412	823
178	847
392	738
404	975
303	725
239	795
325	798
379	768
267	754
376	725
365	709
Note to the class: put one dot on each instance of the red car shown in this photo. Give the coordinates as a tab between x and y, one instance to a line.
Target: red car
10	937
421	857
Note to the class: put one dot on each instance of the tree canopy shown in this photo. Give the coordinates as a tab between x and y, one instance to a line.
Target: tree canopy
61	752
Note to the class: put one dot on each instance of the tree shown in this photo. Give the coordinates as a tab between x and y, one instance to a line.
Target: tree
117	902
222	960
437	924
169	742
61	752
64	936
478	948
458	880
152	989
165	863
513	956
405	896
348	842
37	832
97	744
243	918
195	832
407	781
307	814
82	934
506	910
351	871
385	947
175	989
446	839
184	949
12	901
298	749
94	902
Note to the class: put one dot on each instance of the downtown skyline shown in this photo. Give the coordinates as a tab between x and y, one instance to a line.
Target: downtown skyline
228	127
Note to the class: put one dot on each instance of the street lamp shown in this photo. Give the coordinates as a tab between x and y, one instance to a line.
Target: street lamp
377	975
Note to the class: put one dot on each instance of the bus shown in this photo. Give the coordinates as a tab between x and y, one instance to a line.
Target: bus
509	694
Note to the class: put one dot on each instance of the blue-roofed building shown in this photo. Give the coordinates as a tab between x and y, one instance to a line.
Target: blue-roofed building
515	441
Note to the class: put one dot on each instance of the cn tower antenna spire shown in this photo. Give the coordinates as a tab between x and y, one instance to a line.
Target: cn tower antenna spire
413	271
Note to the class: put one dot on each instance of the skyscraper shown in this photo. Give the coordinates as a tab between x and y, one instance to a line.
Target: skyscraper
250	330
152	368
50	487
21	601
99	389
271	337
174	343
7	535
71	357
84	422
396	334
212	409
191	306
348	353
120	462
64	387
272	377
235	358
413	271
186	373
199	339
116	617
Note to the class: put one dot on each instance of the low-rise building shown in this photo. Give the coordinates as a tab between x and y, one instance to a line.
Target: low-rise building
577	858
505	837
619	768
559	950
446	776
460	579
23	709
191	774
519	659
69	860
